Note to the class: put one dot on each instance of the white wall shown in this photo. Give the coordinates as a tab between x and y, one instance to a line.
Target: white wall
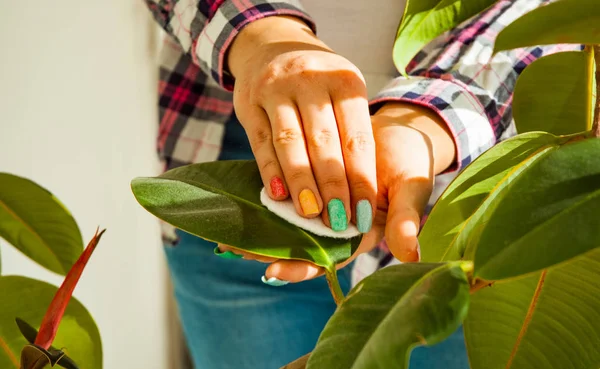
78	115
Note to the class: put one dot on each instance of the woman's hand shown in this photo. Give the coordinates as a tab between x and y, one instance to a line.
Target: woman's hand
305	111
413	144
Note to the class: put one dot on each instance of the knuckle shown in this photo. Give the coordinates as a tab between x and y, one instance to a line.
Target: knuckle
362	186
295	176
260	137
359	142
352	80
287	136
270	74
321	138
299	64
267	165
279	70
334	182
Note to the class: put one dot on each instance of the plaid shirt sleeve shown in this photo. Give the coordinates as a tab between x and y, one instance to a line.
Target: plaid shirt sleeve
471	90
206	28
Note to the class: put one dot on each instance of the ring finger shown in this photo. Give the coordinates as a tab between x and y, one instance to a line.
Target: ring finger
289	144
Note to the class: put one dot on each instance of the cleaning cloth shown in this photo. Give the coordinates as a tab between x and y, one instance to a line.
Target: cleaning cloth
285	209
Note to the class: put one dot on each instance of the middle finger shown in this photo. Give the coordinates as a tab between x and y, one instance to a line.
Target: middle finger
327	161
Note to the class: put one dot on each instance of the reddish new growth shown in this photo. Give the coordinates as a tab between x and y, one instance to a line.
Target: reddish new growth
57	307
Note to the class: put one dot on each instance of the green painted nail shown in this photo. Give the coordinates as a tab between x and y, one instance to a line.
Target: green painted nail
227	254
273	281
364	216
337	215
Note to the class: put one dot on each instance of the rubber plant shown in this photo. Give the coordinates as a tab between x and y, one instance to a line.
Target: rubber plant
512	248
38	224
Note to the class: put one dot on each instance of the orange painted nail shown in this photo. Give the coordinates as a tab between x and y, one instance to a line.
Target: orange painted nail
308	202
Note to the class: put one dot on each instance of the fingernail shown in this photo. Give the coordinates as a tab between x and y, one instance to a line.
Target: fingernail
337	215
273	281
364	216
227	254
308	202
277	187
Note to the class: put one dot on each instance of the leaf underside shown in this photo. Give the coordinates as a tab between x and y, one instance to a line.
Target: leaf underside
220	202
38	224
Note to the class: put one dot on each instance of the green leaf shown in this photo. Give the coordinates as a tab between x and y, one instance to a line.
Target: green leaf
424	20
552	94
478	181
28	299
390	312
561	22
547	214
38	224
220	202
549	321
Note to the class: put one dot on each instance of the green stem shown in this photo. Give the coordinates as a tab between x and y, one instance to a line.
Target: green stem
596	125
334	285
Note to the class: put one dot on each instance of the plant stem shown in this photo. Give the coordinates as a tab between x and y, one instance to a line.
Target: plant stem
479	284
334	285
298	363
596	125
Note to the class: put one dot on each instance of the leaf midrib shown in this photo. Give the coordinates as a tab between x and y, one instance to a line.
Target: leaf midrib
9	353
250	203
32	231
528	317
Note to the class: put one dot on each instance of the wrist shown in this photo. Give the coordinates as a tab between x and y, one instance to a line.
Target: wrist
427	122
263	39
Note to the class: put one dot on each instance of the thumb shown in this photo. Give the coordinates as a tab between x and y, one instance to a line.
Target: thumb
406	200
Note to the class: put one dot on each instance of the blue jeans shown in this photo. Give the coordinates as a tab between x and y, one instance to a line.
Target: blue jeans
232	320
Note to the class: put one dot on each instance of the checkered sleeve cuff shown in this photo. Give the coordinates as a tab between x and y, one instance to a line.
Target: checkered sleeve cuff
460	110
214	40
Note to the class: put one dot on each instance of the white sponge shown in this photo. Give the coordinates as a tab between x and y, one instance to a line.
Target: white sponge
285	209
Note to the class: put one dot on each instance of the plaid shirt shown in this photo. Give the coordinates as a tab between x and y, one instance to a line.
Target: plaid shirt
455	76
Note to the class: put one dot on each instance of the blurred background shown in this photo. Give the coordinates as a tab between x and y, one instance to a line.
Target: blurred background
78	104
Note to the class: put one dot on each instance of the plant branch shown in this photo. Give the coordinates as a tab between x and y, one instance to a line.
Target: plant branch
334	285
298	363
596	125
479	284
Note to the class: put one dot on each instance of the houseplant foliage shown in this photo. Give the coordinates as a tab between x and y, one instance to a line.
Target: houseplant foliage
220	202
526	213
37	224
512	248
424	20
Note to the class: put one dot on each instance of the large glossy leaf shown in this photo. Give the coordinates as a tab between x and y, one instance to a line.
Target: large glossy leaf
552	94
546	214
564	21
36	223
547	320
424	20
392	311
480	180
28	299
220	202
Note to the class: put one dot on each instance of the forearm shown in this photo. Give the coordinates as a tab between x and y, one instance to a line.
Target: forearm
430	124
268	35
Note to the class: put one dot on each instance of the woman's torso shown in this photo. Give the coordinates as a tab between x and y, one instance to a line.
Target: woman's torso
361	31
